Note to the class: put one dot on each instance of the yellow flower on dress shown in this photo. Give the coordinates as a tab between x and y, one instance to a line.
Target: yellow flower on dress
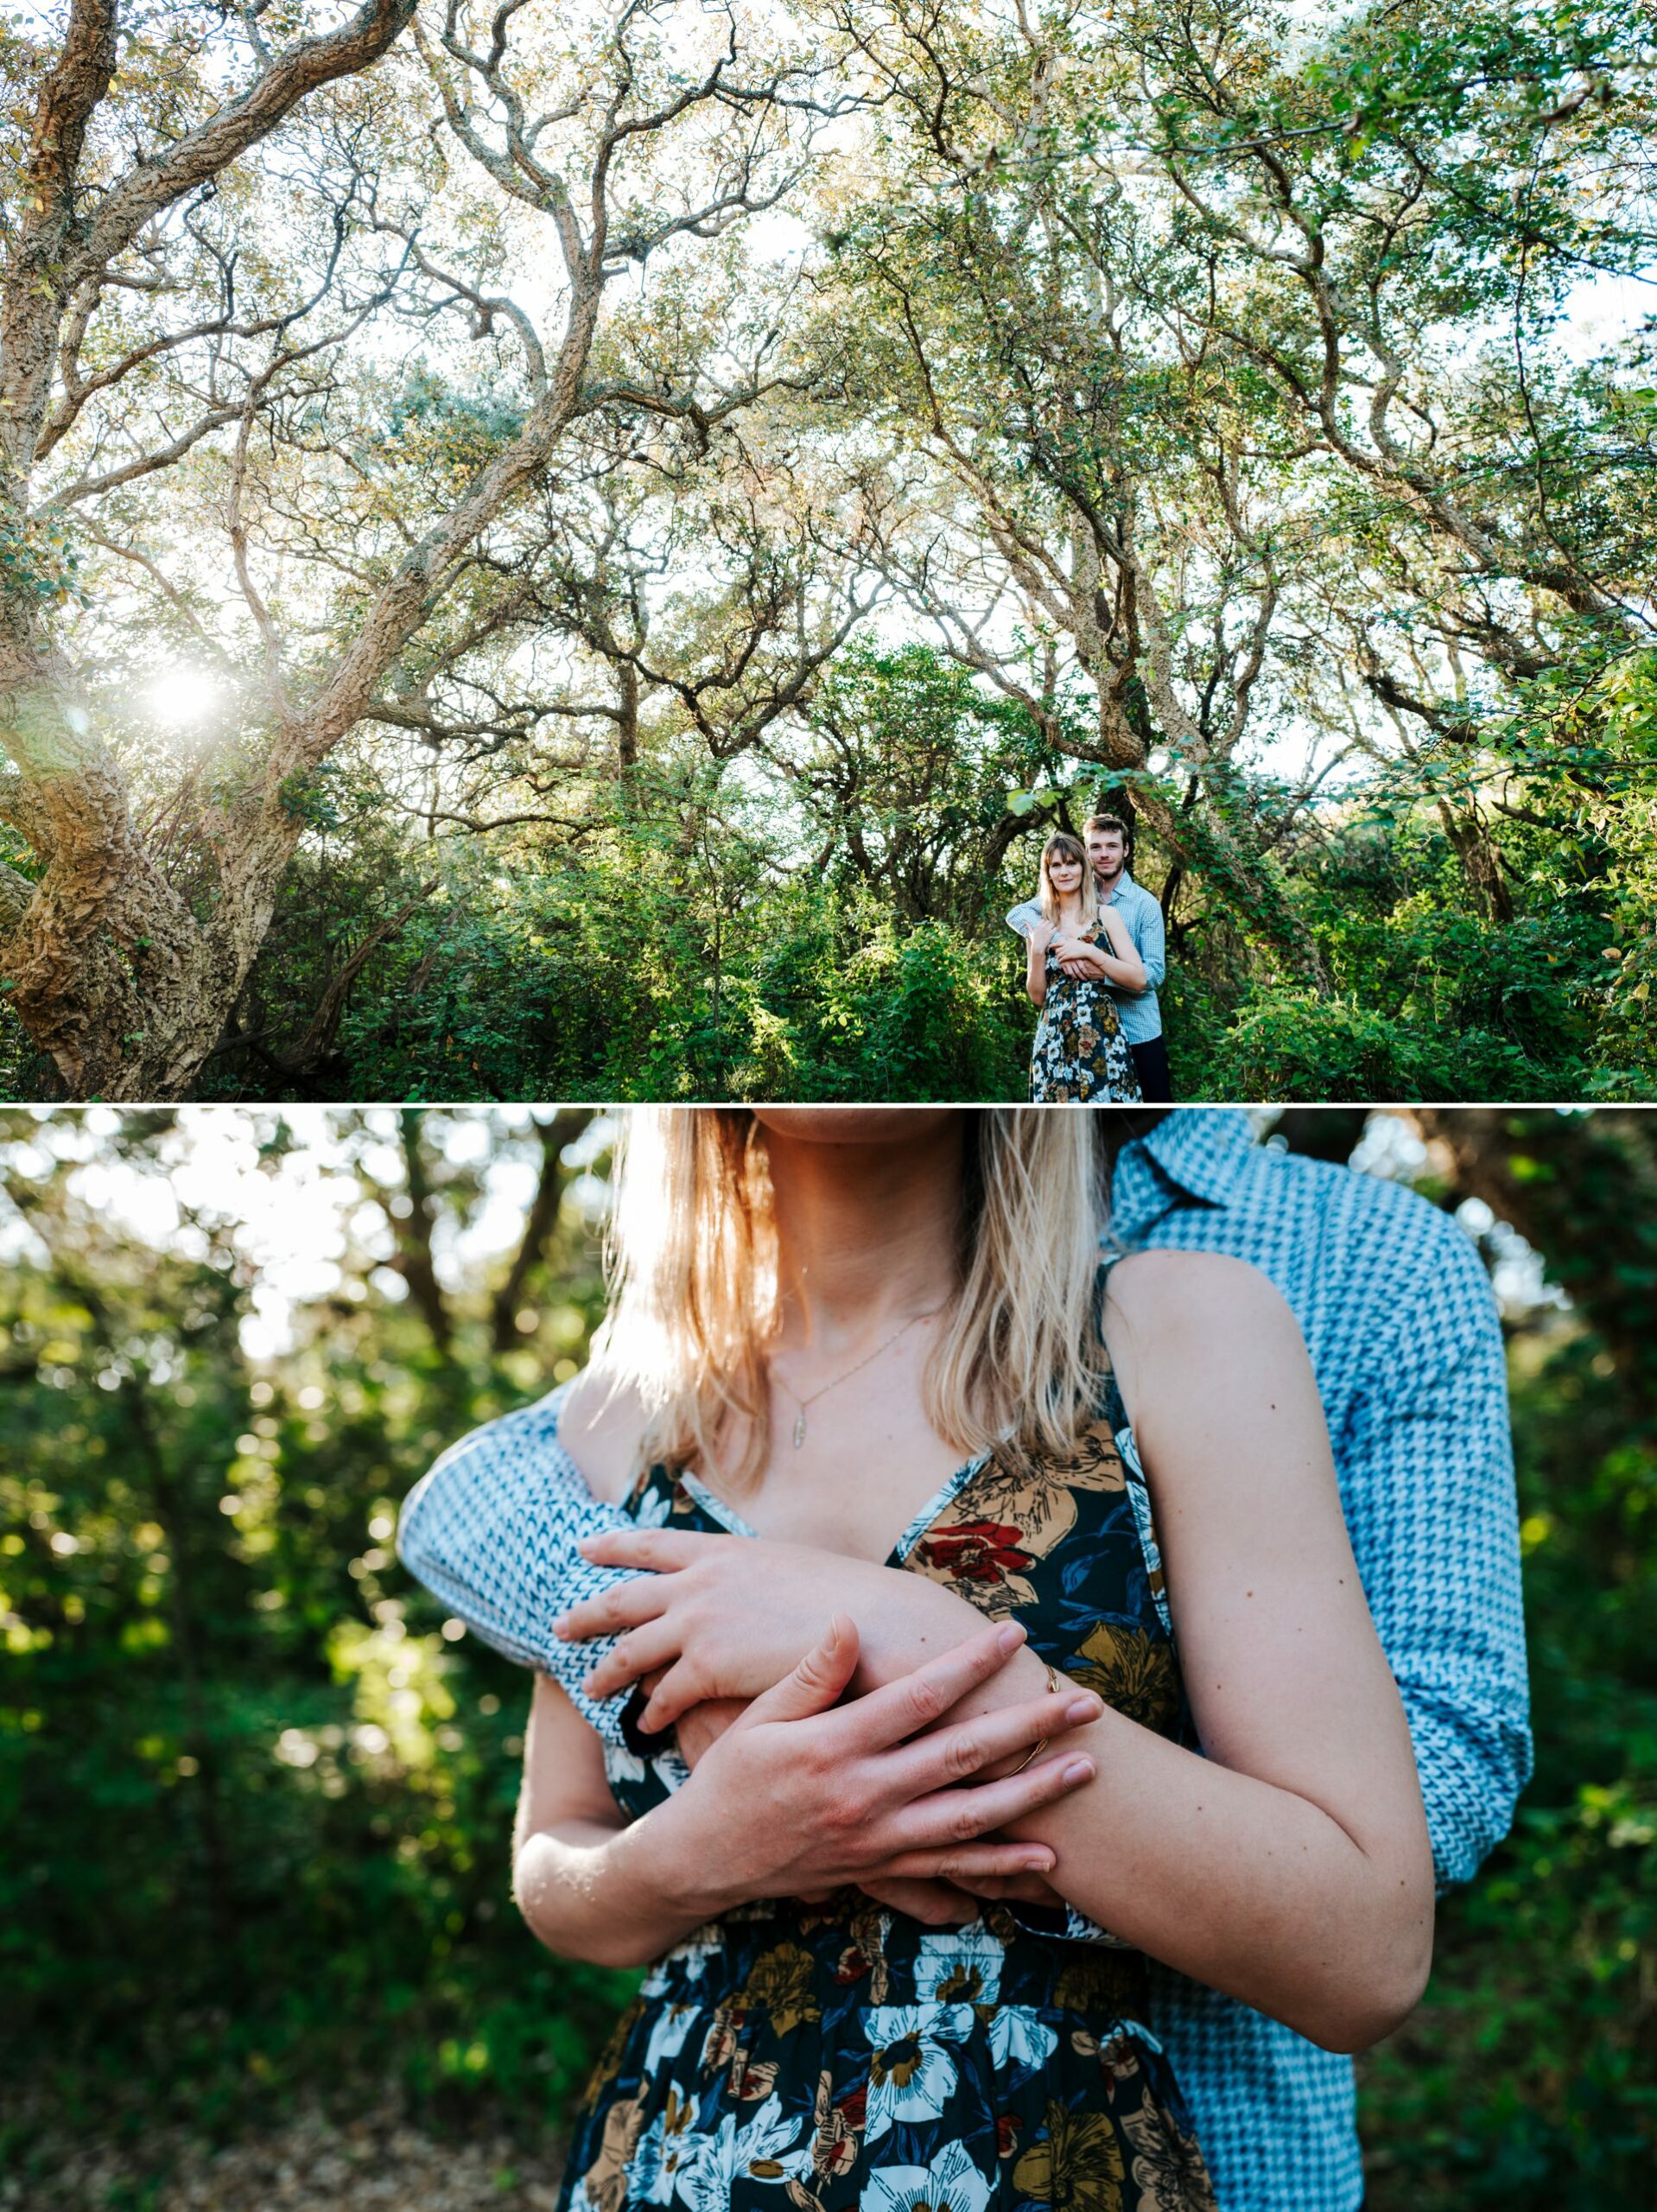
1078	2164
782	1984
1130	1671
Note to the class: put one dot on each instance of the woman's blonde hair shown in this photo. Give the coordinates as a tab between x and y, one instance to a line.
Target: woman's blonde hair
1046	897
695	1292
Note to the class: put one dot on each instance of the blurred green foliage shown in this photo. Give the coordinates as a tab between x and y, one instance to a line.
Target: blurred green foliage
262	1797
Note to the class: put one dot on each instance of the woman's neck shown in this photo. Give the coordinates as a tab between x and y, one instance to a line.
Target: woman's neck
867	1233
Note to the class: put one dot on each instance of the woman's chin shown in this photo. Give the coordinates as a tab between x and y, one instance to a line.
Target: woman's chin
853	1124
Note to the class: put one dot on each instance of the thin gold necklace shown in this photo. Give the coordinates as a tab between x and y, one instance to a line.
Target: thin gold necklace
884	1345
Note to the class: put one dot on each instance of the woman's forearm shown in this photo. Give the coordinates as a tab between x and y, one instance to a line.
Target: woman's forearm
1129	975
610	1895
1035	970
1126	970
1250	1888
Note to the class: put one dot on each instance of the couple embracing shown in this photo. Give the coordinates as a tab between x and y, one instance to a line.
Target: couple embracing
1025	1612
1095	954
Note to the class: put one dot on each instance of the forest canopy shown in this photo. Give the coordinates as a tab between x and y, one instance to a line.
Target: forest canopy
578	550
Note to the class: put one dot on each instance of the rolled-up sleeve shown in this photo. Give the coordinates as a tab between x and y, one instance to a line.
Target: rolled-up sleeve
490	1530
1427	1463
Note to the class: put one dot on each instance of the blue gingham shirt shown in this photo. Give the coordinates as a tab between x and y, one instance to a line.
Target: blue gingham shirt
1138	1010
1398	1315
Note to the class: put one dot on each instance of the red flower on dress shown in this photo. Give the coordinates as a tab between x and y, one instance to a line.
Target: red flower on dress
853	2106
977	1551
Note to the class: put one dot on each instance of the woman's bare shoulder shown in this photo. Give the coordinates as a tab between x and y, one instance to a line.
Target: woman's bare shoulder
1196	1297
599	1425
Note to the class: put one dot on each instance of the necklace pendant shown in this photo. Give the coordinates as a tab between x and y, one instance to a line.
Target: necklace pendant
799	1428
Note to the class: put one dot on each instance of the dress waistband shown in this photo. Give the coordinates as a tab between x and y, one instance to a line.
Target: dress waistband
774	1958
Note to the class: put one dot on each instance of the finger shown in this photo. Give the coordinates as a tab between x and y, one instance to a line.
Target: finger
623	1605
936	1904
812	1686
952	1754
903	1708
966	1864
672	1698
958	1815
658	1551
639	1652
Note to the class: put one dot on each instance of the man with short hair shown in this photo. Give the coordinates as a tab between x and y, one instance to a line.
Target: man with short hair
1105	837
1397	1312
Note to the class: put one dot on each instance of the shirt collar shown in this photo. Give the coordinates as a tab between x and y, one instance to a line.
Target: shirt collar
1196	1153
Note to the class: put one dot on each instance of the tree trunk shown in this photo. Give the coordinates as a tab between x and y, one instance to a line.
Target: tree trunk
110	972
561	1131
1480	860
414	1261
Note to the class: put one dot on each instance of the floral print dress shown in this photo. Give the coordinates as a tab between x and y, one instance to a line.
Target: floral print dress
1080	1053
820	2057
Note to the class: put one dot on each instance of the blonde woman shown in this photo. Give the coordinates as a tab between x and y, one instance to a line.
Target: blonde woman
913	1722
1080	1055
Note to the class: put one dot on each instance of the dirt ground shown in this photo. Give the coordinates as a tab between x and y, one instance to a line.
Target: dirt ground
376	2161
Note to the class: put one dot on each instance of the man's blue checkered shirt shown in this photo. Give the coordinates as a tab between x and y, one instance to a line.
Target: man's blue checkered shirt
1398	1315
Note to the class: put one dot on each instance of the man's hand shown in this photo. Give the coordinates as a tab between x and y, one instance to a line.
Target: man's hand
804	1795
729	1616
1078	956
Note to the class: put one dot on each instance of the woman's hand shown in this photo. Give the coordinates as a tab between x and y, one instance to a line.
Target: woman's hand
796	1797
726	1617
1038	937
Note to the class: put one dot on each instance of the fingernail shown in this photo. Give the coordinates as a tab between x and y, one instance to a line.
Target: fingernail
561	1626
1084	1708
1079	1771
1009	1637
1037	1862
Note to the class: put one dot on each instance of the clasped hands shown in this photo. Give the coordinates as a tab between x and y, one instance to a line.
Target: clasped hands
714	1627
1075	952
